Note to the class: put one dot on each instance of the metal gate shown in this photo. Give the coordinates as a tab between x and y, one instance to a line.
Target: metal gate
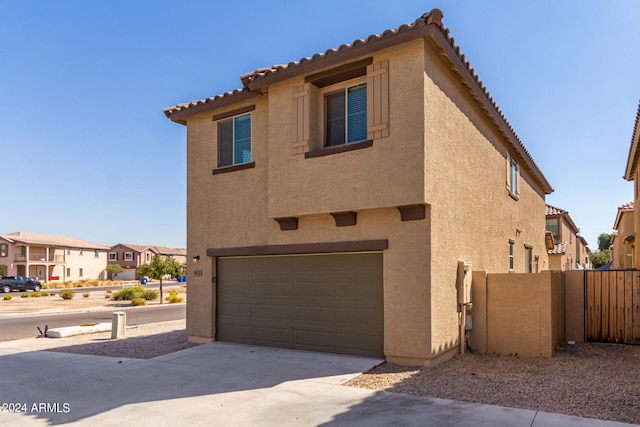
612	299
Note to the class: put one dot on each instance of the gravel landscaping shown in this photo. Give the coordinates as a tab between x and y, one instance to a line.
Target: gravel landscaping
590	380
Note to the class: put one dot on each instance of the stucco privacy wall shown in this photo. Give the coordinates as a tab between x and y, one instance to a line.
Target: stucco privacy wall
519	314
474	218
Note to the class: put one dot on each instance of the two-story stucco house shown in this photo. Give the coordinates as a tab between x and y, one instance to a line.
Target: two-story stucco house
632	173
623	241
50	257
330	200
131	257
570	250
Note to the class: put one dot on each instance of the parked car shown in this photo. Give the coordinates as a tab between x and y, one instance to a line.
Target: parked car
19	283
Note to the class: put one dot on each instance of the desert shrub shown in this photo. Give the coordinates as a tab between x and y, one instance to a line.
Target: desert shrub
109	291
35	294
85	294
44	294
173	296
107	296
24	296
150	294
67	293
7	297
129	294
138	301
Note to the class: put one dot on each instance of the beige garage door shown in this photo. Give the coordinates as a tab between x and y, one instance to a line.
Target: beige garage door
331	303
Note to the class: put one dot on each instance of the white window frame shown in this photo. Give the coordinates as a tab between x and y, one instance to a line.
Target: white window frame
232	120
113	256
342	88
128	256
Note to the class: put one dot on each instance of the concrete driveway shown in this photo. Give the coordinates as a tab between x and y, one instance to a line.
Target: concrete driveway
226	385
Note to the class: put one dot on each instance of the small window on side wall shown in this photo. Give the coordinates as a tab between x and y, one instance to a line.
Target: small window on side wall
511	263
234	141
512	178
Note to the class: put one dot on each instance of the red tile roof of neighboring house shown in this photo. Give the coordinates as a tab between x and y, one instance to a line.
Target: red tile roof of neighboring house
560	249
163	250
429	23
552	210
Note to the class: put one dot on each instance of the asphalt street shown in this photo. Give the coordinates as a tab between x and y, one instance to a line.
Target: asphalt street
25	325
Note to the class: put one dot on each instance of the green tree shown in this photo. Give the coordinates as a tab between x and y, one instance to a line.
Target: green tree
604	241
114	269
158	268
599	258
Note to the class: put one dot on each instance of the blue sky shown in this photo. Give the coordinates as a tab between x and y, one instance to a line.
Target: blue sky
87	152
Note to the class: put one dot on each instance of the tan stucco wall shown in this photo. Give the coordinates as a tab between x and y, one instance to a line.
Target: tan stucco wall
518	314
622	249
435	155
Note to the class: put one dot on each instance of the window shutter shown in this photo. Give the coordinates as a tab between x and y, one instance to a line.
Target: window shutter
300	122
378	100
517	180
225	143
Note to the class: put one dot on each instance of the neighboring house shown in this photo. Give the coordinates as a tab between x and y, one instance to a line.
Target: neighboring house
48	257
623	241
331	200
570	250
632	173
131	257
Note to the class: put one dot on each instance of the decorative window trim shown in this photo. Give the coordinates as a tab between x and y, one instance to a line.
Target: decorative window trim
128	256
233	168
113	256
232	113
337	149
412	212
339	74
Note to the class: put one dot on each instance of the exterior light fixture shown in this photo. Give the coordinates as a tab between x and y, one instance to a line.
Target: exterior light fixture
196	259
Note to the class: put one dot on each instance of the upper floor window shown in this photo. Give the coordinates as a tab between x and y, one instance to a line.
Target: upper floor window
4	249
513	177
81	251
234	141
68	251
128	256
23	251
113	256
552	225
346	115
96	254
148	256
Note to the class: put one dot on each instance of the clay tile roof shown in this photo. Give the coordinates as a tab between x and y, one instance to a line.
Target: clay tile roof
560	248
626	206
552	210
253	82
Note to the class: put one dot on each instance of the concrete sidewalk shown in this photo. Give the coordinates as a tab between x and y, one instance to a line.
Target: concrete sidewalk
224	384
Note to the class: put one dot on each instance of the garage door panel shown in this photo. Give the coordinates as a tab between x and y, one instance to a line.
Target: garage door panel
329	303
275	288
313	314
276	337
273	311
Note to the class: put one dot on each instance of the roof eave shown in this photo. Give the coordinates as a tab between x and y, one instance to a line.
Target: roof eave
632	159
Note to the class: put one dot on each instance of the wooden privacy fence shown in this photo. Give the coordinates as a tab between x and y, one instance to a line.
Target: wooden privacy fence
612	299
